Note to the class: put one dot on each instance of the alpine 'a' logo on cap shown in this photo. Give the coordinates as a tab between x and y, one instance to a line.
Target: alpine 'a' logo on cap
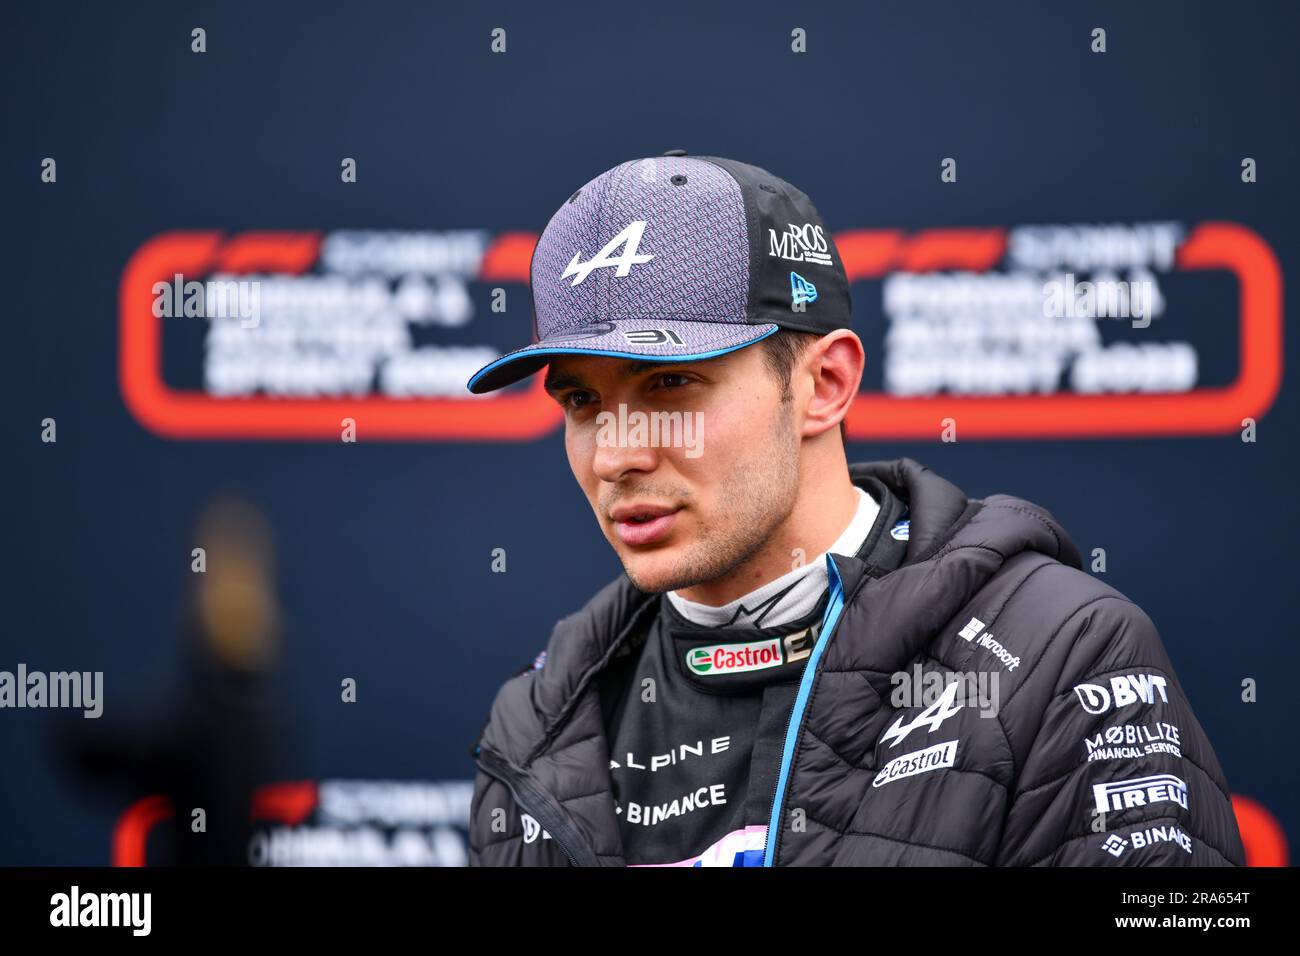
629	238
734	658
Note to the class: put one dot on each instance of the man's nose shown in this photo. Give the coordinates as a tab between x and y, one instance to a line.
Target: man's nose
622	448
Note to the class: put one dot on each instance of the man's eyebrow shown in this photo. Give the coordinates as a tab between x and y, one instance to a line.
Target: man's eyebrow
555	383
636	368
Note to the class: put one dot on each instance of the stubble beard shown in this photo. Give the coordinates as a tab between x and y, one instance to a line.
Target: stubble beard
757	495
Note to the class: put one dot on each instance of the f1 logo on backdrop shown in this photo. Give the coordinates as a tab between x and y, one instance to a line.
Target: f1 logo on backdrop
336	335
353	325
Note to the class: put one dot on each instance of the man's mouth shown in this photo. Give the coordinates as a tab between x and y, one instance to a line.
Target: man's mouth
645	524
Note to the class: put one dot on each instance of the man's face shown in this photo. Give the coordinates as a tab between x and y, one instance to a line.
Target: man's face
718	484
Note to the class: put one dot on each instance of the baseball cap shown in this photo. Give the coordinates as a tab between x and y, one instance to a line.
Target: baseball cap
676	258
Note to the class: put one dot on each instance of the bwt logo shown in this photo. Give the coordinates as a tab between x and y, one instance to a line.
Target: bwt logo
1124	690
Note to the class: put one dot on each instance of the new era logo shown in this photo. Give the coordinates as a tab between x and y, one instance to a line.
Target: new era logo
801	290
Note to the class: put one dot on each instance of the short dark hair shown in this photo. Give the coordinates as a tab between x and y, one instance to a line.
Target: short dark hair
781	350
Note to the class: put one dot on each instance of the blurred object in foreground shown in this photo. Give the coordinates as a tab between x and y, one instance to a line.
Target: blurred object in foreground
207	750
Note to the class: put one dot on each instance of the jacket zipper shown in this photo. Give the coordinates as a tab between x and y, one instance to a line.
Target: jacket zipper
833	608
533	801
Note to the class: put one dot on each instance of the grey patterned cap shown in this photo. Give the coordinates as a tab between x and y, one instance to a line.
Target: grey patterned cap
676	258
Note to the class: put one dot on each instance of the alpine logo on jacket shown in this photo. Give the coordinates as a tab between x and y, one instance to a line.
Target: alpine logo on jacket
930	718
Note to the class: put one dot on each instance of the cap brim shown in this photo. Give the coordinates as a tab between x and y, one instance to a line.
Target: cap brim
699	340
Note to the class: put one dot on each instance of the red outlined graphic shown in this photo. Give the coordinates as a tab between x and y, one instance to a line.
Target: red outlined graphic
1261	834
1202	411
131	834
520	415
173	413
289	802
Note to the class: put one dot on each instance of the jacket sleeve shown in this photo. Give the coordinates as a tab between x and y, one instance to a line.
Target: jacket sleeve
478	838
500	832
491	809
1118	771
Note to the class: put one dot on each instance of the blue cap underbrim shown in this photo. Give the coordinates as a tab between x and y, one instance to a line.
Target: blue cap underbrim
519	364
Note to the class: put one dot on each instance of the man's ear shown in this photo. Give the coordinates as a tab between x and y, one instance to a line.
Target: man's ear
834	365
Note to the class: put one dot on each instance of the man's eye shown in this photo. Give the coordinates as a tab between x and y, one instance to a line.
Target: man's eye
673	380
576	400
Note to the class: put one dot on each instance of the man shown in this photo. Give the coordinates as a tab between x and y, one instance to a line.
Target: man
806	662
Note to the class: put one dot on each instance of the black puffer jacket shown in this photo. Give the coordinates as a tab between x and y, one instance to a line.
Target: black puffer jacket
1090	754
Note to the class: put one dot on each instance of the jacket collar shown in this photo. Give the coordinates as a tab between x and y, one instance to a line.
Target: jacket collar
538	717
583	643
